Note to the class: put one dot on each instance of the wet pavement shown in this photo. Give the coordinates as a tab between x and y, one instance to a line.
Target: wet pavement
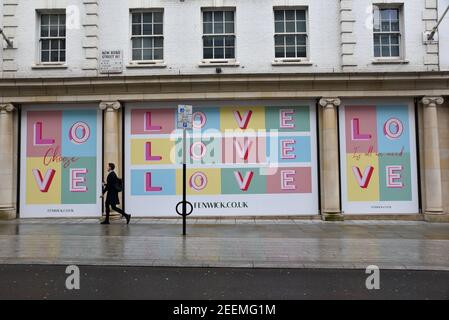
227	243
112	282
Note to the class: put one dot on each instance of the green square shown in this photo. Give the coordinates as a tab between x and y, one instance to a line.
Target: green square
301	119
230	184
89	197
395	194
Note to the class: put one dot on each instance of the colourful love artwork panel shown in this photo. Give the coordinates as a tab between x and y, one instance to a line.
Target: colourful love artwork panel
61	161
378	158
243	159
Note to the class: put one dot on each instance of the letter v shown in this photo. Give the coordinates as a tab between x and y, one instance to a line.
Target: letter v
44	183
243	152
243	183
364	180
243	121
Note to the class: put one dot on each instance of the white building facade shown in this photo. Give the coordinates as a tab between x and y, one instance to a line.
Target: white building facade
332	109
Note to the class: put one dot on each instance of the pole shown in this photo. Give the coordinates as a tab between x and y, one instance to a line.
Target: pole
184	183
434	30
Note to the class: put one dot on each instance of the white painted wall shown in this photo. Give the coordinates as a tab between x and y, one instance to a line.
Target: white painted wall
444	35
255	40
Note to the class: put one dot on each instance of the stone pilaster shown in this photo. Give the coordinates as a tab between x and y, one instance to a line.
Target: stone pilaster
330	165
433	209
347	37
111	134
7	201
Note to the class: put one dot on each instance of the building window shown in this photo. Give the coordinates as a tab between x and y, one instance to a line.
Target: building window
290	33
387	33
147	36
218	35
52	38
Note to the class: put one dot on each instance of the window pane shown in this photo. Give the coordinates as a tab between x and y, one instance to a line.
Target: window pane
207	28
147	54
54	57
278	15
136	29
290	40
394	39
157	16
62	19
290	27
62	30
158	54
395	51
147	17
385	39
279	27
158	42
207	16
137	17
219	53
62	56
45	31
301	40
300	15
137	43
376	51
53	31
229	16
147	29
62	44
289	15
137	54
45	56
218	27
301	26
290	52
395	26
147	43
54	19
376	39
229	27
218	42
45	19
218	16
394	14
385	26
385	14
229	53
230	41
279	52
279	40
54	45
208	53
207	42
385	51
45	44
157	28
301	52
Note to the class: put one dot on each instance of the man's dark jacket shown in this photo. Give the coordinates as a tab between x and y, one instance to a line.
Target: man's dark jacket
111	189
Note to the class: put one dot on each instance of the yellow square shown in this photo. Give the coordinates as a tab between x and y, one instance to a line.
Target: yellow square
33	193
358	165
162	151
205	181
232	115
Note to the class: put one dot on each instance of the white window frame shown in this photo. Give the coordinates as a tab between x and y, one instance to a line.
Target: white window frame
39	50
224	61
131	37
300	60
401	56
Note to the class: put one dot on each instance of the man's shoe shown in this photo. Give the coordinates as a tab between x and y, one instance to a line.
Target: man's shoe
128	218
105	222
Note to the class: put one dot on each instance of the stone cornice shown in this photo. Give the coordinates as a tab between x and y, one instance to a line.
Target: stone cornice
221	87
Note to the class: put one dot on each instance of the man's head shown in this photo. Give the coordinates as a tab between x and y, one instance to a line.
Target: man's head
111	166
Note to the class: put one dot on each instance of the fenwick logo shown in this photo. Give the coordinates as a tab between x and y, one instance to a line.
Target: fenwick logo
220	205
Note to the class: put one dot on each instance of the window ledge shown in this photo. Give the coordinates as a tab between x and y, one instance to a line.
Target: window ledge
292	63
50	66
390	61
218	63
132	65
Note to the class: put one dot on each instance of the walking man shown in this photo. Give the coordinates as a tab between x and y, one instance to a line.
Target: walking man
113	186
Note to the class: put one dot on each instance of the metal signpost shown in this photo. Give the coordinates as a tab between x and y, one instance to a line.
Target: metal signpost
185	122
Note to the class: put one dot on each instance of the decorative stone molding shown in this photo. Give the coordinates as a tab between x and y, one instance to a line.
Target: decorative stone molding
347	37
432	101
10	26
430	19
110	105
330	102
91	35
7	107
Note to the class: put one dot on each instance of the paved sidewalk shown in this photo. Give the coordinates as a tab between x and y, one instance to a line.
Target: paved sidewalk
227	243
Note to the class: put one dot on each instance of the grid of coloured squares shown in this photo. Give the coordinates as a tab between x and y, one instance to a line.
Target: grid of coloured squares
61	157
231	150
378	162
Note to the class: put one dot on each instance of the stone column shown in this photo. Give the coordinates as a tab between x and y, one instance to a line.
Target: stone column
111	134
330	161
432	168
7	176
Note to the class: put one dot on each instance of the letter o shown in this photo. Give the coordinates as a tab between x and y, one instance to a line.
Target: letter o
387	128
85	133
202	120
193	149
198	185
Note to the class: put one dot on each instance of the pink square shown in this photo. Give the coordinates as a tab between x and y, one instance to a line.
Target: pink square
43	133
153	121
290	180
